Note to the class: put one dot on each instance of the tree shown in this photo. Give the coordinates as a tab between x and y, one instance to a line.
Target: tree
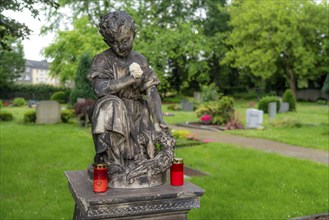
278	37
83	88
9	28
11	33
69	46
11	61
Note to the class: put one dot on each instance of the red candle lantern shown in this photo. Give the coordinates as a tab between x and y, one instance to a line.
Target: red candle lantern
100	178
177	172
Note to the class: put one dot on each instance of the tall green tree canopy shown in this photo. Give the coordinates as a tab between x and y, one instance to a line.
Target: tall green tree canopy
170	34
285	37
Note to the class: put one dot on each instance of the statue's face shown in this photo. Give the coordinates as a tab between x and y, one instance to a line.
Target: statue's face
122	44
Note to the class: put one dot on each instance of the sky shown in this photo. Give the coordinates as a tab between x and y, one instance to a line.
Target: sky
36	42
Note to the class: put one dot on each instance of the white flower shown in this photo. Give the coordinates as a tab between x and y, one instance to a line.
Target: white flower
135	70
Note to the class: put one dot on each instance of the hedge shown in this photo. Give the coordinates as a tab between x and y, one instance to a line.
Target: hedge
36	92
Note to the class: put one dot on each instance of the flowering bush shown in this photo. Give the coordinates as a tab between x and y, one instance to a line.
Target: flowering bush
206	118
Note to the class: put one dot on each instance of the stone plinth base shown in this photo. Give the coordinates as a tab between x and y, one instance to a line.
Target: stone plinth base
160	202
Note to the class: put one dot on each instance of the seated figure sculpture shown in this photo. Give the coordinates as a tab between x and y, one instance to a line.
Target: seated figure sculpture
128	129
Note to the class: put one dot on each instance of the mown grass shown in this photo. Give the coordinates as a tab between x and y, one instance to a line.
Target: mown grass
307	127
249	184
243	183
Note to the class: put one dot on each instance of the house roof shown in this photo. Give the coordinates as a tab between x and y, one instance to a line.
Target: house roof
43	64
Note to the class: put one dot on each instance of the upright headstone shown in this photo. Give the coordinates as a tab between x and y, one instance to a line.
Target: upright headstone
284	106
48	112
254	118
272	109
197	96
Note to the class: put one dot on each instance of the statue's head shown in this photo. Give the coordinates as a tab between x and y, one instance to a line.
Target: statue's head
118	31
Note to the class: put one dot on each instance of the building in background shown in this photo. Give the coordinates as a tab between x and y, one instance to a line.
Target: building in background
36	72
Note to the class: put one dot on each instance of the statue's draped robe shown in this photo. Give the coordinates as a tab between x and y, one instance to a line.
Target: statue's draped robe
119	116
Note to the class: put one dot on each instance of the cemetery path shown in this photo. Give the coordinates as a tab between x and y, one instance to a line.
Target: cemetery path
269	146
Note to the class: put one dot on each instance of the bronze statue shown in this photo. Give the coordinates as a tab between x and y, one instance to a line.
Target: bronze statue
128	129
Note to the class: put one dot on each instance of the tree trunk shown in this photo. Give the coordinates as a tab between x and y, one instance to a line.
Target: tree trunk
292	81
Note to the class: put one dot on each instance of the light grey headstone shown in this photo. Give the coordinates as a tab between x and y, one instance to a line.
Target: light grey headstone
197	96
272	109
254	118
48	112
187	106
284	106
81	100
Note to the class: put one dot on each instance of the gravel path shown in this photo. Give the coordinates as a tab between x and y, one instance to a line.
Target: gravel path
315	155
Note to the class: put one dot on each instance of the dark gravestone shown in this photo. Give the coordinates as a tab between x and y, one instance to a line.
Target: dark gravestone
161	202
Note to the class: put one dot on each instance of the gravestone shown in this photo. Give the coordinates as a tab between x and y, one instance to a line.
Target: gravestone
272	109
48	112
284	106
197	96
187	106
254	118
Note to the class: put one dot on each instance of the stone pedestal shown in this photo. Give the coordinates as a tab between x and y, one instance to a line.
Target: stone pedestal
160	202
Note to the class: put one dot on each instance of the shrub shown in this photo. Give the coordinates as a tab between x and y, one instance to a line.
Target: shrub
83	87
66	115
263	103
1	105
59	96
30	116
36	92
174	107
19	101
220	110
6	116
209	93
289	97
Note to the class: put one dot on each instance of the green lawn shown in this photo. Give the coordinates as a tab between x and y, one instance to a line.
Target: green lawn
243	183
249	184
307	127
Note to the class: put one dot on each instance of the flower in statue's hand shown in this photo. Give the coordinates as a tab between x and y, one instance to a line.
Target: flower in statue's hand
135	70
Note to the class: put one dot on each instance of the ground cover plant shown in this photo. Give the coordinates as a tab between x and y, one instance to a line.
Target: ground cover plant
243	183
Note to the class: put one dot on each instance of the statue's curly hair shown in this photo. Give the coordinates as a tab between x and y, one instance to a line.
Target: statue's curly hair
115	22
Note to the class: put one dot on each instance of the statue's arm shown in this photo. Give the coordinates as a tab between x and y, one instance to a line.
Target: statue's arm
154	104
111	86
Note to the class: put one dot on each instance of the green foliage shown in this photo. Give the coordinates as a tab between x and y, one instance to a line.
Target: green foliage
289	97
174	107
66	115
83	87
37	92
59	96
209	92
69	47
30	116
221	111
286	123
272	38
12	62
6	116
1	104
19	102
263	103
